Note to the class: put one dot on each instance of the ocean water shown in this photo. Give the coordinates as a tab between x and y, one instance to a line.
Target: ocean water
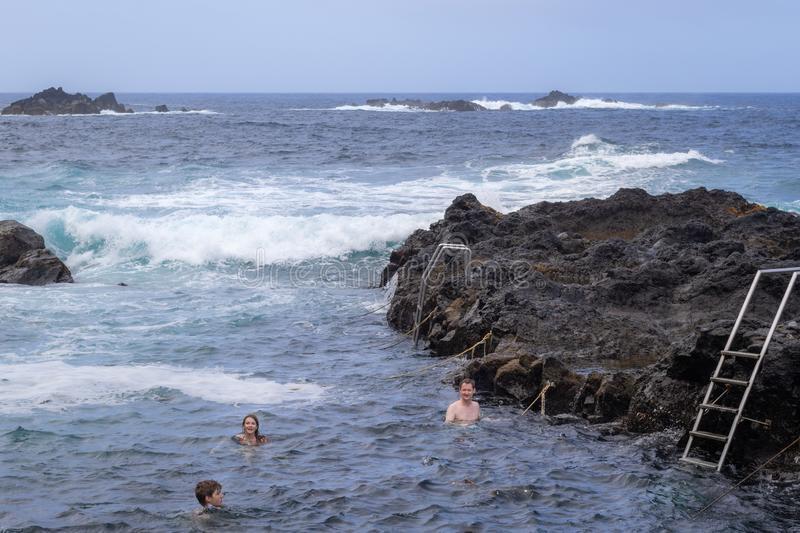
250	233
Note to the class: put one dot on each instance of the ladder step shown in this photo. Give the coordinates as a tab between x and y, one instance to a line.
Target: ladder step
726	381
718	407
746	355
698	462
707	435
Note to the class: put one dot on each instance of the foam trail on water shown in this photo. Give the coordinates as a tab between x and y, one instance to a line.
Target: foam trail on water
55	385
585	103
397	108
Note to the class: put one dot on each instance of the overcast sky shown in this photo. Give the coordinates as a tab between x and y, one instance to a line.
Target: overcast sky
400	46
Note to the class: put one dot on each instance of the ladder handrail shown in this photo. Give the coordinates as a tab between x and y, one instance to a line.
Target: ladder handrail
754	373
423	285
756	368
746	303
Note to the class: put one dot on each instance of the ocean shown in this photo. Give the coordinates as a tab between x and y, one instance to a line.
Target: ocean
249	233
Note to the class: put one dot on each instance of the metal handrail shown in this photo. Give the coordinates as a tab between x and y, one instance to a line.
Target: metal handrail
423	286
764	347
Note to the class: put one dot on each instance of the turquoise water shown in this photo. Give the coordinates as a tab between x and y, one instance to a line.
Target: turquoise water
250	234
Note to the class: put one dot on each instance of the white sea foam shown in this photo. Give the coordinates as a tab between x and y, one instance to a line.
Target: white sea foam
172	112
292	218
55	385
397	108
587	140
195	238
583	103
495	105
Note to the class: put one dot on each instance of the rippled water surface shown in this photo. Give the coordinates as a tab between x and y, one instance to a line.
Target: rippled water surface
250	235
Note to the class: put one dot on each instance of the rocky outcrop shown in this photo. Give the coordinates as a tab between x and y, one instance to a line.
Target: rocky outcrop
551	100
54	101
554	98
162	108
25	260
622	304
444	105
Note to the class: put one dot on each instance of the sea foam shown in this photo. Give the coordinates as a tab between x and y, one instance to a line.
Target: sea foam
102	238
55	385
495	105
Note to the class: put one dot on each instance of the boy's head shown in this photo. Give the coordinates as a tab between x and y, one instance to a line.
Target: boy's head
209	492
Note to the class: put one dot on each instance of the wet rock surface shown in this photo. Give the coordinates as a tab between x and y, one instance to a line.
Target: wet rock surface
25	260
55	101
622	304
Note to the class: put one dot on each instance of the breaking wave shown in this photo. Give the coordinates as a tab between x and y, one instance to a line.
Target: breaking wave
91	238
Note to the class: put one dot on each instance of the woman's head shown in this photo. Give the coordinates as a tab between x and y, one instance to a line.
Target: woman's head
250	426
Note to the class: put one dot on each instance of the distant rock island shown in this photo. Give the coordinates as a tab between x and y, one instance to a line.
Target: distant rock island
552	99
54	101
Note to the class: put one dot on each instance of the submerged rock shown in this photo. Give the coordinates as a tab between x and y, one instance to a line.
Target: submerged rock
54	101
623	304
25	260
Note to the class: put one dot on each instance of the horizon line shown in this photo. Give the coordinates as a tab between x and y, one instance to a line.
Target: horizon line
414	92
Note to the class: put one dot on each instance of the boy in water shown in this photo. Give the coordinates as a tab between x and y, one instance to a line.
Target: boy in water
209	494
464	410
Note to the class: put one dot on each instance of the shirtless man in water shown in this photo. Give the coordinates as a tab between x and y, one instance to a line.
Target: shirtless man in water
464	410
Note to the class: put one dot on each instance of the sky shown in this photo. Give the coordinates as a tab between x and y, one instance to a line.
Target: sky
400	46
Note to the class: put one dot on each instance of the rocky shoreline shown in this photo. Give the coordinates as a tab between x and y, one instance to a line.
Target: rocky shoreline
622	304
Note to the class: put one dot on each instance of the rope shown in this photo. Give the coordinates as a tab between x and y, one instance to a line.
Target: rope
407	333
718	498
541	395
483	341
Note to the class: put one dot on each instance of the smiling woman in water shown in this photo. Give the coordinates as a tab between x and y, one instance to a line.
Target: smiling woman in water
250	435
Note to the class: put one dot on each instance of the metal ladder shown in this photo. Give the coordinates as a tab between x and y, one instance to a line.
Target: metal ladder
717	380
423	285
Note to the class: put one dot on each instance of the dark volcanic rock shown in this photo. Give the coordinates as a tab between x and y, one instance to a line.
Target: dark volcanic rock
54	101
24	259
622	303
553	98
444	105
109	102
162	108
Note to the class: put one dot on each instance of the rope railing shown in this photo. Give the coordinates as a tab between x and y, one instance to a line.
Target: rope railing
751	474
484	341
548	385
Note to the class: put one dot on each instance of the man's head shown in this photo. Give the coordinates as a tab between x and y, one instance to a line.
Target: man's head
209	492
466	389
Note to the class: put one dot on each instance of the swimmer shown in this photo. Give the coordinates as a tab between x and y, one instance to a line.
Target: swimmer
209	494
250	435
464	410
